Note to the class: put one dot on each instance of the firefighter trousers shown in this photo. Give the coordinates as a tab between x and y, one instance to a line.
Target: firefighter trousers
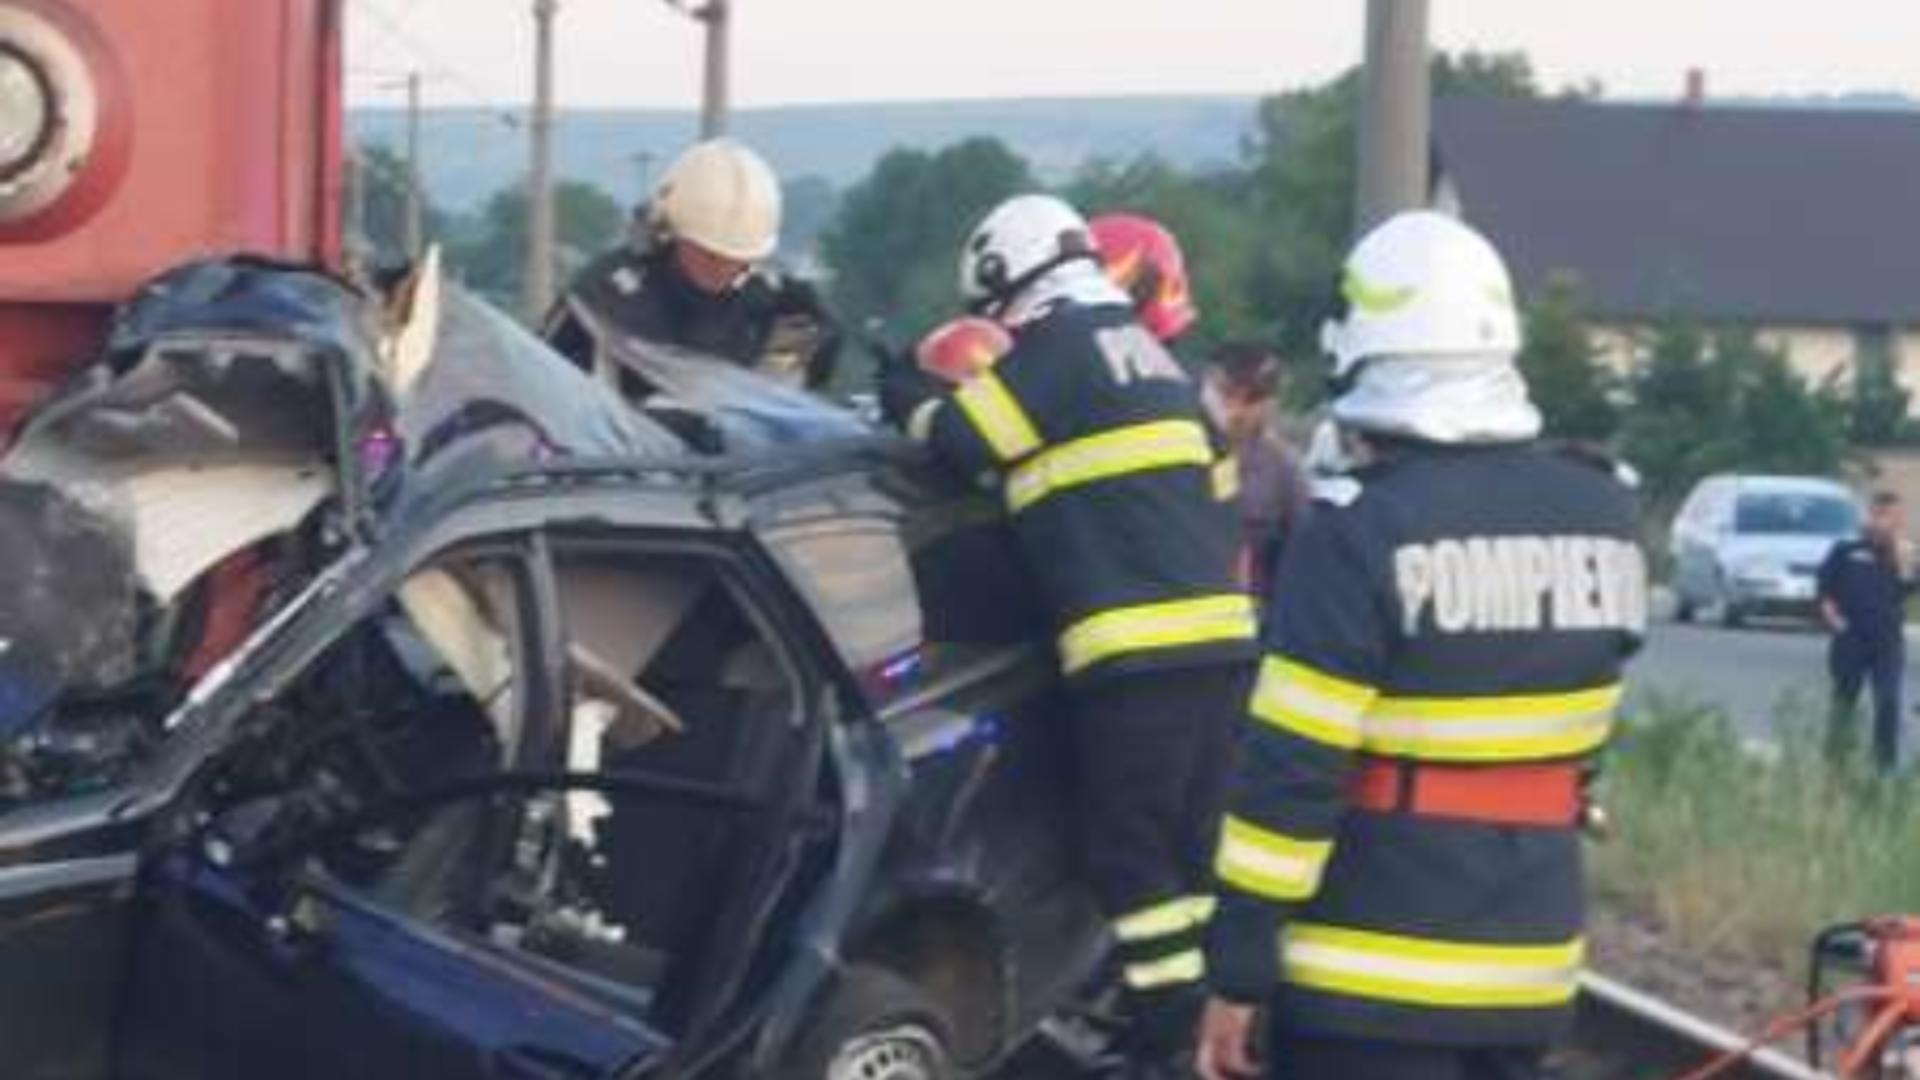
1292	1056
1155	751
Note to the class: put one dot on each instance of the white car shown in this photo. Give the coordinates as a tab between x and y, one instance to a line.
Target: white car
1752	545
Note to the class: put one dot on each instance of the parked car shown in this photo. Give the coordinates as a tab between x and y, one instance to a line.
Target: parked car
1752	545
664	765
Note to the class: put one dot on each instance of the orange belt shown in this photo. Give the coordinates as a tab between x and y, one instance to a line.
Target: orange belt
1540	795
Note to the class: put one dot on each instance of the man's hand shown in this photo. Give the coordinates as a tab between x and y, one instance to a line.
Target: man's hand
1226	1042
904	388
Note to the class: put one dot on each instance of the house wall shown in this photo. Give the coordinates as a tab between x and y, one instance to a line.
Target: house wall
1816	353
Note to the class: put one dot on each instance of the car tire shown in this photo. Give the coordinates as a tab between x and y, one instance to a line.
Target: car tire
1732	615
874	1025
1683	609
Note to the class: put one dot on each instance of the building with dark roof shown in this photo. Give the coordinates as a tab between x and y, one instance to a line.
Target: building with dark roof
1803	223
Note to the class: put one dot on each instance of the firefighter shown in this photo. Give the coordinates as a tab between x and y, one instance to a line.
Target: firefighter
1399	867
1144	258
695	275
1094	437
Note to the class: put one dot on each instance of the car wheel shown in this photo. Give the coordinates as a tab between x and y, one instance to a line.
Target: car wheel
875	1025
1732	615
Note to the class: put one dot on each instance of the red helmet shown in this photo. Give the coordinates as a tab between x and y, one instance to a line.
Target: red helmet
962	348
1144	258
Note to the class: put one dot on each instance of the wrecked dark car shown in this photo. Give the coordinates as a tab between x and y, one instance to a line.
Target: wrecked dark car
577	754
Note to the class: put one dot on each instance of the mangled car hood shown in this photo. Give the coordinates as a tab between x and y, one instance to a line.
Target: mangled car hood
228	404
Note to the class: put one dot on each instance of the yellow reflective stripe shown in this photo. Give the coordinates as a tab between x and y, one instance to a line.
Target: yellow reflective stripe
1374	299
1516	727
1311	703
1165	920
1269	864
997	415
1162	444
1226	478
1180	968
1165	625
1422	971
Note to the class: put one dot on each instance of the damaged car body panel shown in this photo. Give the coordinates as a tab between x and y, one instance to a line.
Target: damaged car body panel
583	756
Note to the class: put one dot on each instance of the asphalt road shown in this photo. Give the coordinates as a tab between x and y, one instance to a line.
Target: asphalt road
1754	674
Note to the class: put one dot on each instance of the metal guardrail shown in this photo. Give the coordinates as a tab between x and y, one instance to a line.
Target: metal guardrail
1649	1039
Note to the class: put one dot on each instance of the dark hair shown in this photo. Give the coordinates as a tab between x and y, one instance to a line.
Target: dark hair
1884	499
1248	368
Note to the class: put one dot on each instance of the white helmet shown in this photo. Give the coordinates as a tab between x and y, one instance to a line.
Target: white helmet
1428	345
1017	244
723	197
1422	283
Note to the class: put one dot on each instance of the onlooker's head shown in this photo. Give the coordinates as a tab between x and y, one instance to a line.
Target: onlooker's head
1886	517
1242	381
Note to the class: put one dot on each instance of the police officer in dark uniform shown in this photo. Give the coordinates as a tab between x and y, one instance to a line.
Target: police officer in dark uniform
1095	436
1863	600
695	276
1399	866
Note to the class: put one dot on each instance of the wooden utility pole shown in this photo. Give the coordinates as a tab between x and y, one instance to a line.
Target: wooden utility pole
416	224
1395	114
540	211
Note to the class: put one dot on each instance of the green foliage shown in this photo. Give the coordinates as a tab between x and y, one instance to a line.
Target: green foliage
381	202
1744	850
1878	412
896	239
1574	390
490	252
1205	213
1707	402
808	205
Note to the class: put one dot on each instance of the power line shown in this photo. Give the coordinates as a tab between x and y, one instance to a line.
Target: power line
435	66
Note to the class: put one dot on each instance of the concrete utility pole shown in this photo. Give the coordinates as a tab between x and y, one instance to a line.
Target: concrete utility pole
1395	113
416	224
540	224
718	17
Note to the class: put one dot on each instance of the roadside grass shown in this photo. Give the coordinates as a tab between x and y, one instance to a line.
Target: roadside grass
1747	852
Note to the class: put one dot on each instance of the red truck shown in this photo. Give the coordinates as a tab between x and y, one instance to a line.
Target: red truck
135	136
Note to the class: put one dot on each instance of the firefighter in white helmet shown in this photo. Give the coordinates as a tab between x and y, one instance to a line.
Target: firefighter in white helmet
697	275
1399	866
1095	437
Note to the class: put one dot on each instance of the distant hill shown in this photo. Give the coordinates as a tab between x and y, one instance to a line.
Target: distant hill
470	153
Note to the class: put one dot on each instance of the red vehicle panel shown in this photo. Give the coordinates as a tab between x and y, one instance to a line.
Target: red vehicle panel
136	135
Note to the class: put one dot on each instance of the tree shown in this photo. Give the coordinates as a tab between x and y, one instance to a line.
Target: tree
1300	184
1574	390
807	207
381	199
490	252
1205	213
896	239
1712	401
1878	412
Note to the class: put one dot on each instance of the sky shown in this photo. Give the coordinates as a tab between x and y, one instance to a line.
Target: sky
642	52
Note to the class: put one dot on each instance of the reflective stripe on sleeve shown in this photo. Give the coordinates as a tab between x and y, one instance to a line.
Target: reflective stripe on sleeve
1311	703
1421	971
1162	444
1186	966
1144	627
998	416
1482	729
1226	479
1164	920
1269	864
